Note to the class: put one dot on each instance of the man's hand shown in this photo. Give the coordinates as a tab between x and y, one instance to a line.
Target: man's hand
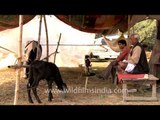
114	63
122	65
105	38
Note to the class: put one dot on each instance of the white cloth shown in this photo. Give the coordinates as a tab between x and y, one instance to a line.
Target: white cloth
130	67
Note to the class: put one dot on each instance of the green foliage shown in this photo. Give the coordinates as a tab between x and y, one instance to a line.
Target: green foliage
147	30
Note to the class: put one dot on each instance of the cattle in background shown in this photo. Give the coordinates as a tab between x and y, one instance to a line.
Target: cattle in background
32	48
42	70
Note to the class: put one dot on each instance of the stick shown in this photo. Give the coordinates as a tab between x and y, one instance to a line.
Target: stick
7	49
48	55
57	48
45	23
18	66
18	75
39	36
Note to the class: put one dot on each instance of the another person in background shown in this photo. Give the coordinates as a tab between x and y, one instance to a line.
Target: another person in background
88	65
111	68
137	60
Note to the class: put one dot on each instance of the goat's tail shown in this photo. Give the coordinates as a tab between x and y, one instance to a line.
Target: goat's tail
65	86
61	85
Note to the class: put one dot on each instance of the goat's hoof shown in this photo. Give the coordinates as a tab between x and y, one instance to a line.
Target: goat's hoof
30	101
49	100
39	102
51	97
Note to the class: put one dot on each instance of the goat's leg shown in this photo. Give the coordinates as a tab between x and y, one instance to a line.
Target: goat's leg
50	96
29	93
34	89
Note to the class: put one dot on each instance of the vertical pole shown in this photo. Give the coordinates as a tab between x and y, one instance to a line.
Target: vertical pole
57	48
18	71
129	19
154	88
86	82
124	90
128	24
39	36
47	49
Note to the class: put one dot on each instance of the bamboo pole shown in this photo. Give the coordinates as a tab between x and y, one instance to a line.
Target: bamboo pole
18	71
39	36
128	24
57	48
129	19
48	56
47	50
73	45
7	50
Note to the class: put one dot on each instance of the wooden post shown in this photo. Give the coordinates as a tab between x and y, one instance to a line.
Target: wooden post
47	49
8	50
154	93
86	82
18	71
129	24
129	19
57	48
124	90
39	36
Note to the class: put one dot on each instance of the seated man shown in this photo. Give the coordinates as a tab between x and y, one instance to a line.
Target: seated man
31	51
137	60
111	68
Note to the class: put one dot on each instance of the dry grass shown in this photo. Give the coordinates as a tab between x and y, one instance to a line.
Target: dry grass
98	91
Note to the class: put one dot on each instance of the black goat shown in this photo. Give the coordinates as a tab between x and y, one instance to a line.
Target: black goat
39	70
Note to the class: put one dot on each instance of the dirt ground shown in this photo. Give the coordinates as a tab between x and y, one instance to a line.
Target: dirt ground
98	92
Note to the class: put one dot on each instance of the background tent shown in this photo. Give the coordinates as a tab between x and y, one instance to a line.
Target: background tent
86	27
73	42
108	24
12	21
70	56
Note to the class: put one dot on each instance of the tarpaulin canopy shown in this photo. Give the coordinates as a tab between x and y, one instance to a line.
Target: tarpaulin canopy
108	24
12	21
